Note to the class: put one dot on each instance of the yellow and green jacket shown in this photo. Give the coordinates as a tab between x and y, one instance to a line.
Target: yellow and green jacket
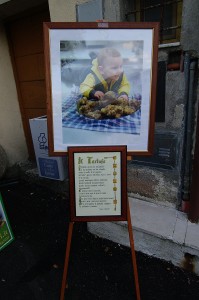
94	81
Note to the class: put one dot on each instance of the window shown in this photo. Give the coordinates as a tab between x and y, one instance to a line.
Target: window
168	13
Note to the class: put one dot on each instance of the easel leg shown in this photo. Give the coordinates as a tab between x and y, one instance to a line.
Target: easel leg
63	287
133	252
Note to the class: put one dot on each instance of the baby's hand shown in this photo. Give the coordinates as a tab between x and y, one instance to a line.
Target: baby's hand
99	94
125	97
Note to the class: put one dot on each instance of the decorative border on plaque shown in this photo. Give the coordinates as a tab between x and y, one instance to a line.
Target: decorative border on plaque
98	184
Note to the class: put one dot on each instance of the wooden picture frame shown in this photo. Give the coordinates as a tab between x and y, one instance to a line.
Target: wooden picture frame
98	183
70	49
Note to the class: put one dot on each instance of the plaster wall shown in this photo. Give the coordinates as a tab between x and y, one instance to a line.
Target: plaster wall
153	185
63	10
190	25
174	99
12	137
158	184
112	11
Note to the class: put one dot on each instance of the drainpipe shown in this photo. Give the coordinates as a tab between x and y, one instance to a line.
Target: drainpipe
189	70
194	201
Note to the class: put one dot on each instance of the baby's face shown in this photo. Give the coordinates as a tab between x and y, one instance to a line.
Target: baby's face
112	68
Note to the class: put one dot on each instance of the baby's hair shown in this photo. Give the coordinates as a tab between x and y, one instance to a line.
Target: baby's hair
105	53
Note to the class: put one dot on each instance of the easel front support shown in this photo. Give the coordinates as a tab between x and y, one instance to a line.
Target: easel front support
65	272
137	288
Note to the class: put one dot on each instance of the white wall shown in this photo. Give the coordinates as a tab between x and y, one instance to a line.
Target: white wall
12	137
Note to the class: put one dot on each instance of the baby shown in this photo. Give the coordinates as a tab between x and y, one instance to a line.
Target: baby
106	75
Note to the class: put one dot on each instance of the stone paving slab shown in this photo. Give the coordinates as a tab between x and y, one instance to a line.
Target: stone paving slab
192	235
180	231
164	222
152	218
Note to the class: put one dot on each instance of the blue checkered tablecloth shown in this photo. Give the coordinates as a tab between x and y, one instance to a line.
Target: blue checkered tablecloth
72	119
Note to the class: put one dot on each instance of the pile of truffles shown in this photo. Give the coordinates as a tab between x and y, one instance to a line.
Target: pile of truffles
110	107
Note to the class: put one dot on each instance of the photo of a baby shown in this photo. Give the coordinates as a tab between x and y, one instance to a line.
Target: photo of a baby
106	75
103	98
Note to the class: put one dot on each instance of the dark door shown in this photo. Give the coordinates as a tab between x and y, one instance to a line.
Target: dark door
26	44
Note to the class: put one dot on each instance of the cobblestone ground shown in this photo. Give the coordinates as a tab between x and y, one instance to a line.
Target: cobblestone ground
31	267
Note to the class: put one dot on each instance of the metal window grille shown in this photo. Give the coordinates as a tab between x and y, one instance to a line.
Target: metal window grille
168	13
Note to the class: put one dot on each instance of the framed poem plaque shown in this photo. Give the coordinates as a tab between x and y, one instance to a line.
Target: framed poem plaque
98	183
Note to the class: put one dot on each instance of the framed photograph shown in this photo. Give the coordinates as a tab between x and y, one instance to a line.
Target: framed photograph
6	234
98	184
101	85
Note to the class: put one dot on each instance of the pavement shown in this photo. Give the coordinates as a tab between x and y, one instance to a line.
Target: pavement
31	267
159	231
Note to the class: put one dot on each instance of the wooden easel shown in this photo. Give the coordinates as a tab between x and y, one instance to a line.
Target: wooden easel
68	246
